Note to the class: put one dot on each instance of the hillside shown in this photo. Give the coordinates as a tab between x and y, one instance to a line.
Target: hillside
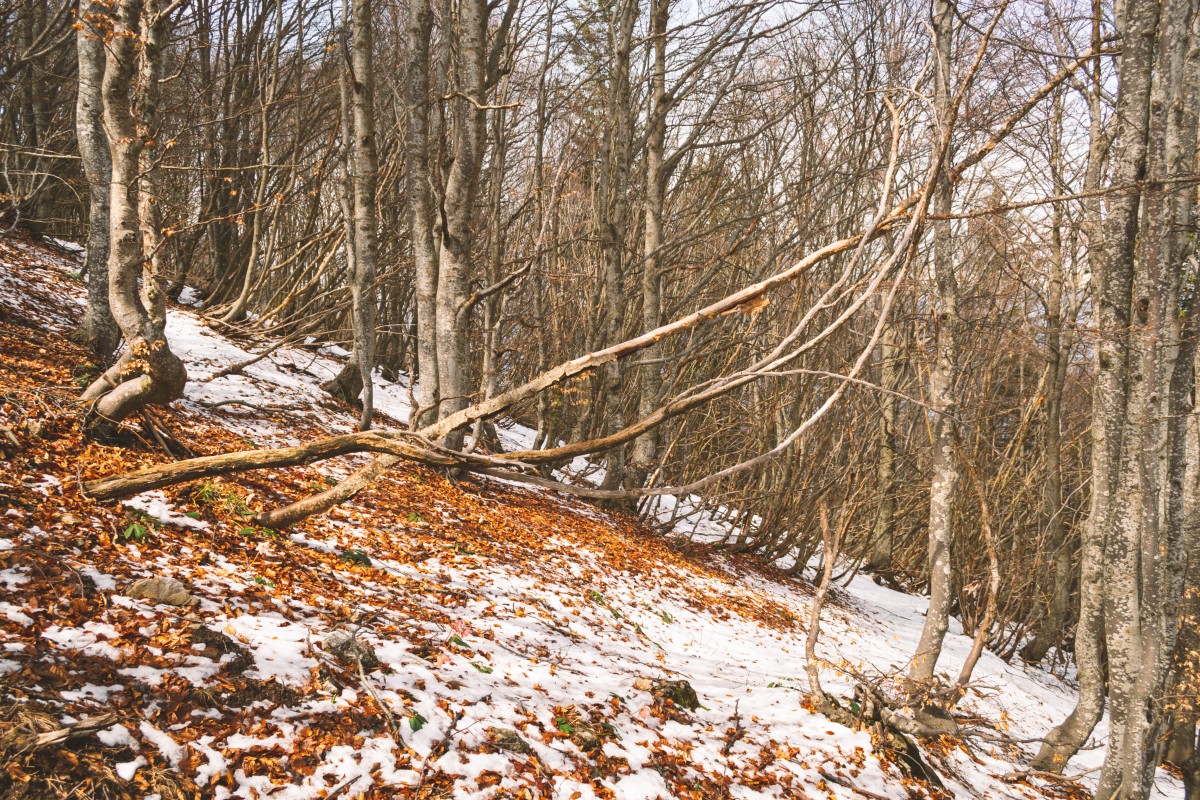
521	644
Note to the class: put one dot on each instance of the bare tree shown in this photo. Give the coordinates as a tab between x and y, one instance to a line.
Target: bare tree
147	372
1135	541
942	381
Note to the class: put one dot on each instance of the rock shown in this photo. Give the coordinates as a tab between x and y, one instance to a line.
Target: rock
161	590
643	684
346	647
679	692
509	740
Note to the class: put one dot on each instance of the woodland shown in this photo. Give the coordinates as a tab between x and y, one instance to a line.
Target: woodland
888	291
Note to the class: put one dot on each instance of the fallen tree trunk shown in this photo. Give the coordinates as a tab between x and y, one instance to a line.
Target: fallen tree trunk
399	445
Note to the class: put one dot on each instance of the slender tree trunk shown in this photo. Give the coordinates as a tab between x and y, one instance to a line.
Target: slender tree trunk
98	331
882	539
458	215
419	180
613	213
942	389
645	449
363	165
238	309
1051	631
1108	408
366	172
546	436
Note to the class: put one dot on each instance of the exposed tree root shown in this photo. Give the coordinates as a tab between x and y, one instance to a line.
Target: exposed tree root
889	731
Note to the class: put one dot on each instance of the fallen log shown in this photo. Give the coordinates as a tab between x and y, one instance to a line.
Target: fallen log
399	445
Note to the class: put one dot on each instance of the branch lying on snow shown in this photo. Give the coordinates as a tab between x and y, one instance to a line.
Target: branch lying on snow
397	446
21	742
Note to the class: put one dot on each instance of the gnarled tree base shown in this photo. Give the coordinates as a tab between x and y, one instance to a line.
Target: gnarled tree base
147	374
886	731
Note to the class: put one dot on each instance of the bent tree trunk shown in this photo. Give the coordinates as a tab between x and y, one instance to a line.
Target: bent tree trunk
1063	741
147	373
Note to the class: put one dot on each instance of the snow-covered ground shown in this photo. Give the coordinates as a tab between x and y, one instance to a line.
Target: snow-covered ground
554	645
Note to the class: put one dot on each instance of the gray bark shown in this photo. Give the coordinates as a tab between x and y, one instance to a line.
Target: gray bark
421	201
1058	605
613	220
883	535
363	166
1066	739
458	211
148	372
645	448
1143	393
942	389
98	330
1144	554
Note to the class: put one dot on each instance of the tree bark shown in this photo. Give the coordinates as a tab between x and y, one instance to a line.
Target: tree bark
943	398
1066	739
148	372
362	163
98	330
1051	630
645	448
1134	546
1144	555
882	538
613	221
419	182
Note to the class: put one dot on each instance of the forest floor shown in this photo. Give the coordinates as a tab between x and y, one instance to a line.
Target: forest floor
519	641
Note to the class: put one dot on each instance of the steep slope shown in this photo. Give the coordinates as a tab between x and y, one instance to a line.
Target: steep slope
506	642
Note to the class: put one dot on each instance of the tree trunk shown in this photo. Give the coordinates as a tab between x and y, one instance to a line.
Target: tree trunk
613	220
98	330
645	449
362	164
1156	140
1108	407
148	372
237	309
1140	419
458	212
882	539
1051	631
420	197
942	389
